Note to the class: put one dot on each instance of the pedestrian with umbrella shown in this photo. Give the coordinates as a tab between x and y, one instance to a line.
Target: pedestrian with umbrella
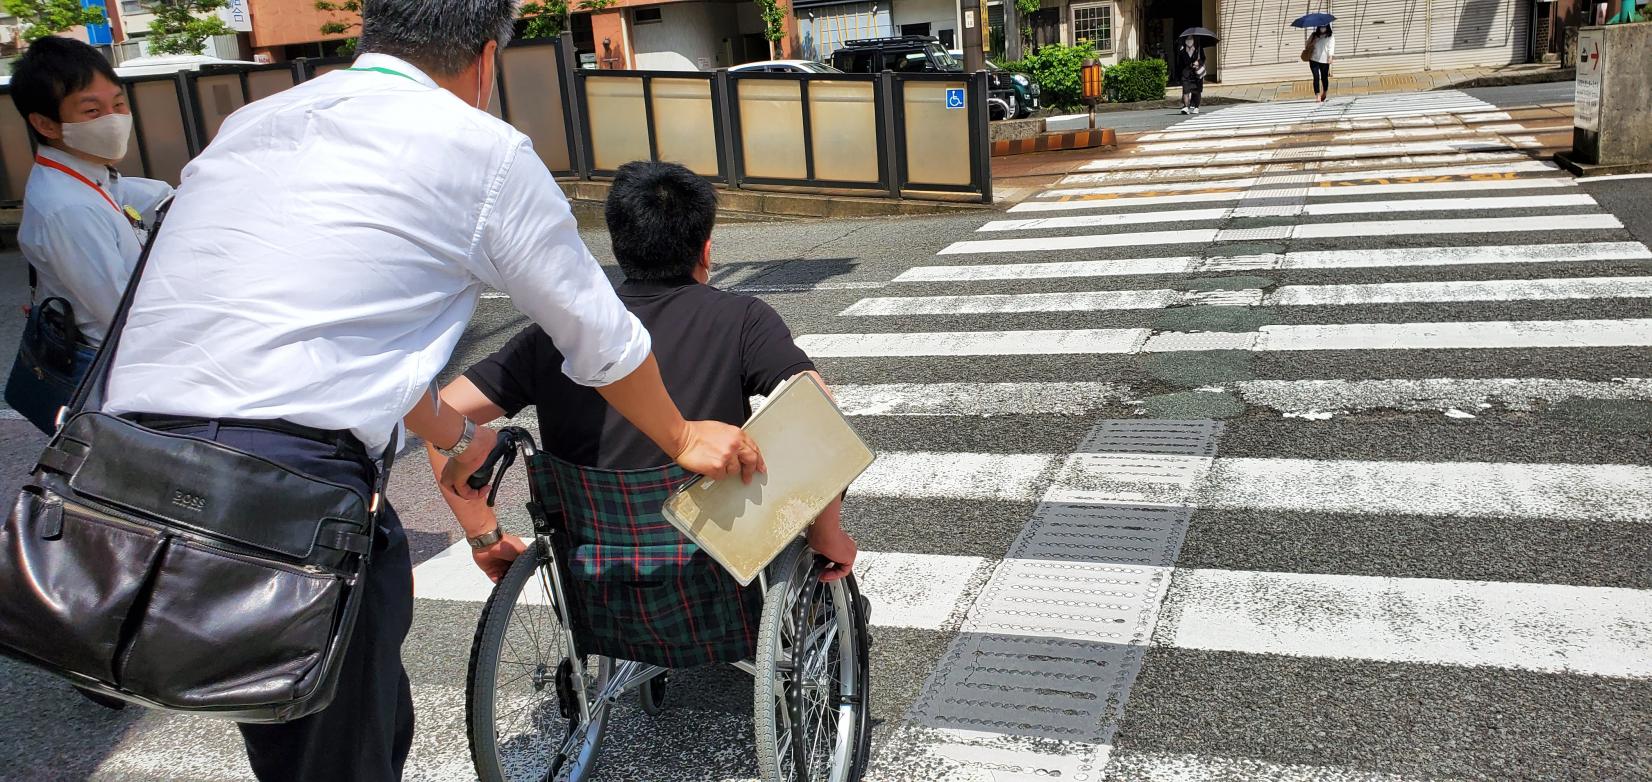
1320	50
1190	65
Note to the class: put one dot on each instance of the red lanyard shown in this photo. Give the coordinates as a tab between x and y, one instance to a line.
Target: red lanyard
43	160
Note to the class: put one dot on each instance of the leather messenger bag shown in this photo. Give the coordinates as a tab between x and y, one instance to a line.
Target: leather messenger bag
177	573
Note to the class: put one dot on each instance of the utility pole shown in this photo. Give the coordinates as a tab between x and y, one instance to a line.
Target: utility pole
975	24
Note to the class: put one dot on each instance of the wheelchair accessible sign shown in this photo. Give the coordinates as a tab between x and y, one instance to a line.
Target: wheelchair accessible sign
955	97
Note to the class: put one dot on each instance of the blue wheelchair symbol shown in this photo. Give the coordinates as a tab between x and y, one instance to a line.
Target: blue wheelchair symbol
955	97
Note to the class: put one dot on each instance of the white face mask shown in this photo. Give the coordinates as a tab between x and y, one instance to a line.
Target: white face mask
104	137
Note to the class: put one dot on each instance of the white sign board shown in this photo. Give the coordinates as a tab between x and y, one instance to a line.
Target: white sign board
237	16
969	19
1591	65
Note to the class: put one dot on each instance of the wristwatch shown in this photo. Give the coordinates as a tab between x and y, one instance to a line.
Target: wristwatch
486	539
464	441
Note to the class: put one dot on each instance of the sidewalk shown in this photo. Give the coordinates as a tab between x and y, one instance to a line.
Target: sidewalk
1528	73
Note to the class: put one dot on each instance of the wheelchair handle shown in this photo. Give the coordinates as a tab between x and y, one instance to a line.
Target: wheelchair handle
511	440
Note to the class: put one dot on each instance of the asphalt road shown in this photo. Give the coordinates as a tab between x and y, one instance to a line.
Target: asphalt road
1383	552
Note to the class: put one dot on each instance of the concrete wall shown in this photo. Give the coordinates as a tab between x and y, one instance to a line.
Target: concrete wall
609	36
1624	137
286	22
688	37
940	14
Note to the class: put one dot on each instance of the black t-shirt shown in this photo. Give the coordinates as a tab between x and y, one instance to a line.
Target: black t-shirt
715	350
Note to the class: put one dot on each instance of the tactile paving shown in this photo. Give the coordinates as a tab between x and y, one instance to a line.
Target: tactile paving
1172	341
1248	297
1232	263
1245	234
1035	684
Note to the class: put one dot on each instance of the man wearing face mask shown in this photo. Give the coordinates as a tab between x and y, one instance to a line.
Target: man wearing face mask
315	272
83	224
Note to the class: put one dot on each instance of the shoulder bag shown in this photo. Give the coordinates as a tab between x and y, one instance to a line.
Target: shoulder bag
177	573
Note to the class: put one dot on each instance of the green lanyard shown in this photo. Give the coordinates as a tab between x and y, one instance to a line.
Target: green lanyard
386	70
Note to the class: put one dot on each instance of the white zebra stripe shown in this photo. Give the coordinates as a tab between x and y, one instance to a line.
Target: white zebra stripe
1532	183
1303	259
1482	335
1551	628
1289	295
1307	209
1487	225
1377	174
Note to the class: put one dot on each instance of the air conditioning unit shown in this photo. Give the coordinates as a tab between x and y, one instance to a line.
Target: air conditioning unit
8	35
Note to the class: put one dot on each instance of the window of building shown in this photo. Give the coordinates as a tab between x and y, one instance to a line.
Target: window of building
1094	23
645	15
130	7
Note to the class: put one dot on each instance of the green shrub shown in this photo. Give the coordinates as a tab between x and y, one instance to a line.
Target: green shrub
1136	80
1058	70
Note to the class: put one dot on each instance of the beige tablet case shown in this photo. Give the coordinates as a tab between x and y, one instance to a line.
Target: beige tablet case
812	455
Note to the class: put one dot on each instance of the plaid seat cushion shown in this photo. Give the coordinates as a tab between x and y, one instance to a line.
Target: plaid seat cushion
641	591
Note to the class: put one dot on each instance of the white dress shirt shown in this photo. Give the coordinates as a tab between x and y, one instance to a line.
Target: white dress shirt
81	247
325	252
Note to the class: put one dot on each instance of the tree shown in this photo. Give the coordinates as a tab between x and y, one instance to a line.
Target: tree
183	26
48	17
1024	9
774	23
352	8
548	19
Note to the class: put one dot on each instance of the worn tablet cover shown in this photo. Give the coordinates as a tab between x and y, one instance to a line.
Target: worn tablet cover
812	455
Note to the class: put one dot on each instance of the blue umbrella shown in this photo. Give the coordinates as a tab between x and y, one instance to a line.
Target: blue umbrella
1314	20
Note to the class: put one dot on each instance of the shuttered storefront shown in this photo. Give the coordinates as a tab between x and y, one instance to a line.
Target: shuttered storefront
823	28
1373	37
1471	33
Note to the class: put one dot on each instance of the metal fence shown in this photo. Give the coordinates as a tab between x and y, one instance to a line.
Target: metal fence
920	135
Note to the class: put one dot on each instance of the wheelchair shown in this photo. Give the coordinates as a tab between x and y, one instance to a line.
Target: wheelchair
609	597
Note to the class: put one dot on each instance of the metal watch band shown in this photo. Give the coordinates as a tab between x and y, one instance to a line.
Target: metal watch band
486	539
464	441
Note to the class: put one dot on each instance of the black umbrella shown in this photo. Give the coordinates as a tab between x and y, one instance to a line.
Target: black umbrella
1206	37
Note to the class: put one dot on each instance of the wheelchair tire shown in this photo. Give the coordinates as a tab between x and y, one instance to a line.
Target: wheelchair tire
520	620
651	694
810	701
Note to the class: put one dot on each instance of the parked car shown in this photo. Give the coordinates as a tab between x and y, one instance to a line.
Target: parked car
785	66
1027	91
921	54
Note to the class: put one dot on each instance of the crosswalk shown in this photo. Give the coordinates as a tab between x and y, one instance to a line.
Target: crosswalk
1345	531
1322	456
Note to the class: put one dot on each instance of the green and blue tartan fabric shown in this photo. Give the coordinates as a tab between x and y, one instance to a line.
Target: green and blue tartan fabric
641	591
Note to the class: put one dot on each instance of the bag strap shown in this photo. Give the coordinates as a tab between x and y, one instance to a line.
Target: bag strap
89	394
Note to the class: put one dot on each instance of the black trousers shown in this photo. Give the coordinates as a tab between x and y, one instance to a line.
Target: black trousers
365	734
1322	76
1192	91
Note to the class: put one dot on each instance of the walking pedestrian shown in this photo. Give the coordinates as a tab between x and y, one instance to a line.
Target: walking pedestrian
1190	65
1321	52
315	272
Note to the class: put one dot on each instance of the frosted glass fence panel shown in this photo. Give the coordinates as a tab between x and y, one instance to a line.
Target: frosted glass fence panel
618	121
685	128
843	126
771	128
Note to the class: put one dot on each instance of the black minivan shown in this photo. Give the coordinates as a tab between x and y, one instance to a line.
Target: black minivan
920	54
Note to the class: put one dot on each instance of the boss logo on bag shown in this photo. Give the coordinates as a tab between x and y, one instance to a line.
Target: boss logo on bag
187	501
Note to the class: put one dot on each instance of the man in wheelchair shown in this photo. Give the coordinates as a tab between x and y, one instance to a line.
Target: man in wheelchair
715	349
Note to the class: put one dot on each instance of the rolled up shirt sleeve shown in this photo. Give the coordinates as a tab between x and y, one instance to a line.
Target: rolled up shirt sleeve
529	247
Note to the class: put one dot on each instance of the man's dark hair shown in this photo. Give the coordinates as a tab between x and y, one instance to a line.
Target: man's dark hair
660	216
440	36
52	69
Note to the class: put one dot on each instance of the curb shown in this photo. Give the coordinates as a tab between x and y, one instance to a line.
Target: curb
1514	79
784	205
1055	142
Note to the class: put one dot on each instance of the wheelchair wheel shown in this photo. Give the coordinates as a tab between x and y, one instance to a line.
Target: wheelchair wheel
652	694
810	703
521	710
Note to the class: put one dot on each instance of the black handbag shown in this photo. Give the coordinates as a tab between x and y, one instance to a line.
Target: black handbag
178	573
